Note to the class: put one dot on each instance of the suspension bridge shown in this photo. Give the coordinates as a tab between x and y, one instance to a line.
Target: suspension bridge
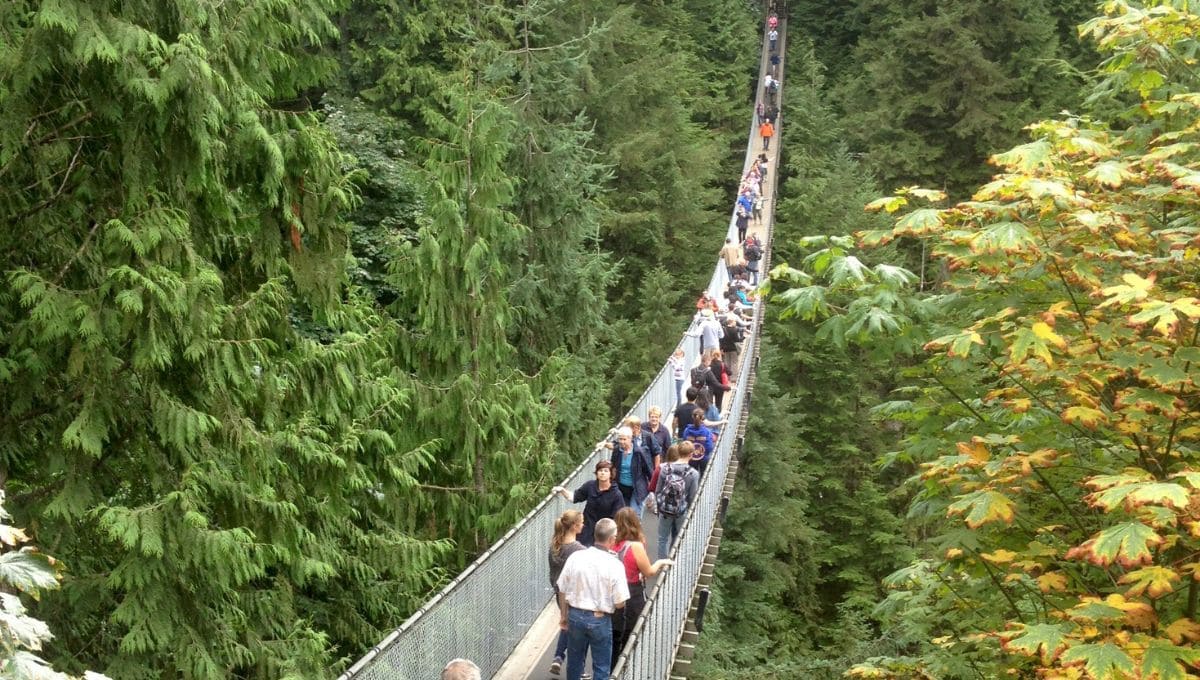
499	612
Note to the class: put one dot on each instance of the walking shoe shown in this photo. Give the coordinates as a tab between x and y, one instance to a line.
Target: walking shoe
556	666
586	676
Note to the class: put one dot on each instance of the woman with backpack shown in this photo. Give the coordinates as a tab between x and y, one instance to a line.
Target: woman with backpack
674	485
562	546
631	550
703	441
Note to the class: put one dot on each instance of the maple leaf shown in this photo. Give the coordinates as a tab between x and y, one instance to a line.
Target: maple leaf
920	221
1054	581
1183	629
1048	639
888	203
1102	661
1026	157
1025	341
975	449
982	507
1008	237
1188	306
1043	330
1154	581
999	556
1160	312
1135	288
1082	415
1136	494
1164	661
1127	543
1111	174
959	343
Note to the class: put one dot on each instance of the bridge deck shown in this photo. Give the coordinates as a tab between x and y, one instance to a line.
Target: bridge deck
532	657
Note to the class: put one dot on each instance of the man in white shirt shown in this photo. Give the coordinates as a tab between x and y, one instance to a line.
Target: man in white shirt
591	588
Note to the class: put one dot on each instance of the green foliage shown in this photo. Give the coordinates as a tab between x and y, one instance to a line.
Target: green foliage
932	88
225	489
811	531
1050	409
25	570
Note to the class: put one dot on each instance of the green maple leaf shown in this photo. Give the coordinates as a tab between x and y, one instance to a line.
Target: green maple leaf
983	507
1026	157
1160	371
921	221
1008	237
1165	661
1111	174
1103	661
1142	493
1128	543
1049	638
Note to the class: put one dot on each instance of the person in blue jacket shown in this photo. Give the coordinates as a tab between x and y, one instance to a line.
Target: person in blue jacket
702	439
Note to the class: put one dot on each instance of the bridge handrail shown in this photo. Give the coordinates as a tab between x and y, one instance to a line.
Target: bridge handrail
653	642
486	610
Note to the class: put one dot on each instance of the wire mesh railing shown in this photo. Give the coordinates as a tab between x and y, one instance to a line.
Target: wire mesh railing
654	640
487	609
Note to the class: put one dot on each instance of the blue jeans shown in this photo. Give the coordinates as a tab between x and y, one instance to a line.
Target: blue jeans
668	530
560	649
584	630
679	382
638	506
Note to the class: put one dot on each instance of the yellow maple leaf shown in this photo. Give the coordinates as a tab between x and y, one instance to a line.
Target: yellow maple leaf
1001	556
1153	581
1183	630
1043	330
975	449
1054	581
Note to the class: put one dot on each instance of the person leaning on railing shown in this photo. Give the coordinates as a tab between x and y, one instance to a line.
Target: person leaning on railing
603	499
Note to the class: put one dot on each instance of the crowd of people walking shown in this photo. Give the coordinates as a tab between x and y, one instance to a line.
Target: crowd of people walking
599	559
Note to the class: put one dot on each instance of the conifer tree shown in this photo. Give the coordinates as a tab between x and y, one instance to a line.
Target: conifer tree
222	490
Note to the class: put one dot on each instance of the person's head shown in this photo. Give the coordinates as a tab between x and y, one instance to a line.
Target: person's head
606	532
629	527
566	526
461	669
604	471
683	451
654	416
678	354
692	393
697	417
672	453
625	436
635	424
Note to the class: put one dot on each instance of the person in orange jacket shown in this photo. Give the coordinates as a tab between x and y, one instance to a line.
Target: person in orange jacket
767	131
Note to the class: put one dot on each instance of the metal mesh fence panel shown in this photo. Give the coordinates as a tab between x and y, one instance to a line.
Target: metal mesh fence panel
483	613
650	651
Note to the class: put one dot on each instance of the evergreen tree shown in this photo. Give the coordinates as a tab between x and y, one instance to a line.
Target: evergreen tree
941	85
223	490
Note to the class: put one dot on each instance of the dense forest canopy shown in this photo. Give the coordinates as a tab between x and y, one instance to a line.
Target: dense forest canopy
304	303
979	456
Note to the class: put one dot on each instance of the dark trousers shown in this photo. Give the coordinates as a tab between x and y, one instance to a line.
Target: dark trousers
626	617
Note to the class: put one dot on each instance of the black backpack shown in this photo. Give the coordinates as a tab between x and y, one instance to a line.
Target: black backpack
672	491
699	377
753	252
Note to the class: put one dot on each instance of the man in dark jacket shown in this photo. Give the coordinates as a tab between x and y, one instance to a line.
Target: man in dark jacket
730	344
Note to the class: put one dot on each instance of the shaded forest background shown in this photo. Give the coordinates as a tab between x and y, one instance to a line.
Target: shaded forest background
306	302
975	454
